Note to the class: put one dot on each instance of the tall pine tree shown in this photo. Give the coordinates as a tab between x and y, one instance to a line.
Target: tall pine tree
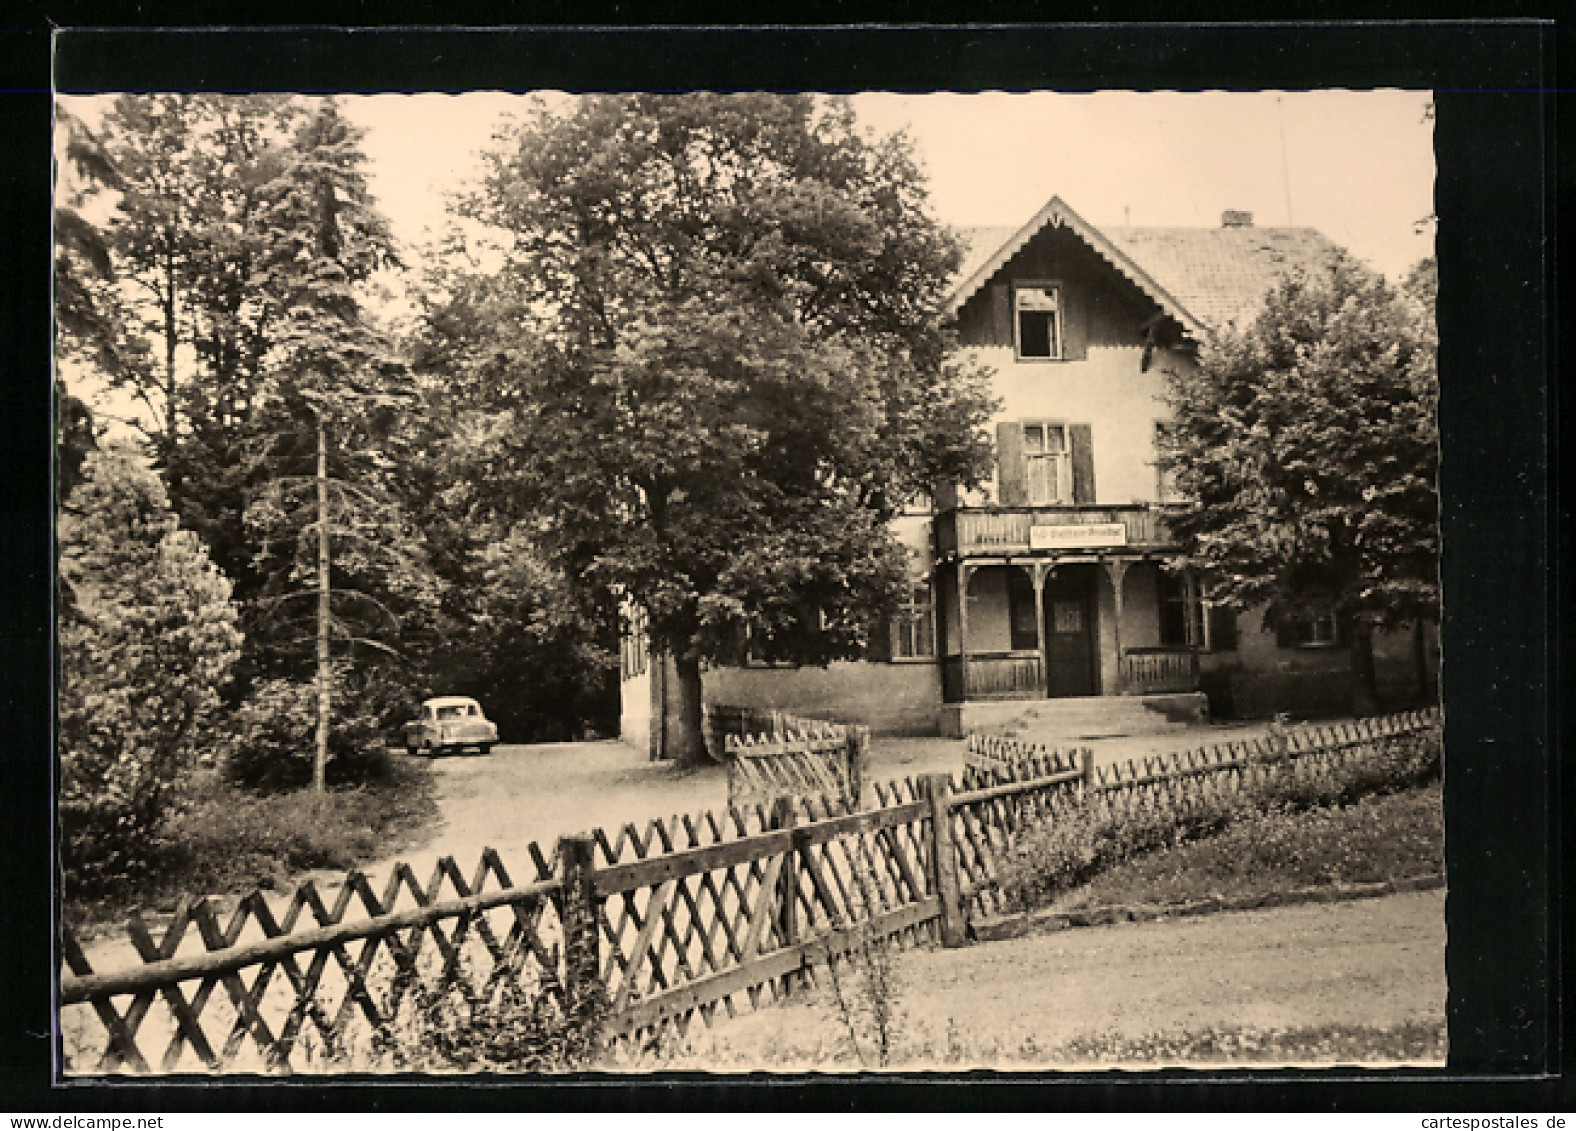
332	536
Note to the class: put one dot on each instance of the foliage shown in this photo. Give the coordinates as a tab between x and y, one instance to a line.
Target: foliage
1414	1041
188	240
86	309
1306	449
515	1027
1084	839
1386	837
145	646
524	641
330	377
225	839
245	243
76	436
271	747
867	992
713	362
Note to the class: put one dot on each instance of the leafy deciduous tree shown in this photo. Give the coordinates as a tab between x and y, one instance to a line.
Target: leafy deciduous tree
1306	447
723	366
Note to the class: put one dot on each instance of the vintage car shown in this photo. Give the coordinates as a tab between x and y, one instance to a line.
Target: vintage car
450	723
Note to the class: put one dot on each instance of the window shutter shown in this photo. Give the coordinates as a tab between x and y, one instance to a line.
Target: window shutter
1010	476
1080	438
1286	632
879	648
1075	336
1001	328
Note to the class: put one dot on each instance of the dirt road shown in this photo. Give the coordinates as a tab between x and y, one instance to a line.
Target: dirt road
521	794
1377	962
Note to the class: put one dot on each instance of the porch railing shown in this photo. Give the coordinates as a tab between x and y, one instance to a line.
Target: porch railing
997	530
992	675
1155	671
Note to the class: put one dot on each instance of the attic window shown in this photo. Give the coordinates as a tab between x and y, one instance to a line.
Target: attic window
1037	322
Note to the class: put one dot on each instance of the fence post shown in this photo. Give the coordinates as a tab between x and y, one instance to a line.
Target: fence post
1086	755
858	744
785	814
944	857
583	988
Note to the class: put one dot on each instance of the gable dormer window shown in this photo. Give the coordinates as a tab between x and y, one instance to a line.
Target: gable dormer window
1037	321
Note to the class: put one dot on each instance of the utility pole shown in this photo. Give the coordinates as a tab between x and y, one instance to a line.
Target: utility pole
324	675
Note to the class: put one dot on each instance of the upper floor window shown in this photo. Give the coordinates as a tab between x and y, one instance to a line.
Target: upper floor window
1046	463
1037	322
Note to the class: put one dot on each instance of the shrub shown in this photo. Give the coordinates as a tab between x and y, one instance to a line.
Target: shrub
275	737
224	838
147	638
1080	839
514	1027
231	837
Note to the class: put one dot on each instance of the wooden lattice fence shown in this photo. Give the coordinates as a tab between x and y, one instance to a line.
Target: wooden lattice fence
687	917
816	759
694	917
318	980
721	722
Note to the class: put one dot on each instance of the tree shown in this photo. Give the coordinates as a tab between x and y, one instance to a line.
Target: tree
84	268
723	365
330	375
187	239
1306	448
145	646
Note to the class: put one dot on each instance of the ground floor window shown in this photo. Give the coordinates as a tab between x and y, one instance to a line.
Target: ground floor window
914	627
634	646
1308	631
1025	633
1220	628
1181	619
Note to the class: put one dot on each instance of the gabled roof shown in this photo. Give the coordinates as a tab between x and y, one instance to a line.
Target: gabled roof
1203	277
1057	214
1222	274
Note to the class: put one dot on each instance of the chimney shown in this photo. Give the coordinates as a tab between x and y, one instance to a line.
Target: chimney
1233	219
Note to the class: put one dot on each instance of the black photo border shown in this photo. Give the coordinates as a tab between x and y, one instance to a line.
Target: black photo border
1505	529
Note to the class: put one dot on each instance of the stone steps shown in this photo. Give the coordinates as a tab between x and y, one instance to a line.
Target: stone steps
1051	720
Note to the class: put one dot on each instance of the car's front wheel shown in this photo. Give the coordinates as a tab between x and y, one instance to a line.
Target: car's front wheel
484	749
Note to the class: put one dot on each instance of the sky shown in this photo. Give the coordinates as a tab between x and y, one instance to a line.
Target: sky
1357	165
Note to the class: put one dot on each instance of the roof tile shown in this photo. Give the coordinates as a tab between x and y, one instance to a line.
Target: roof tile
1219	275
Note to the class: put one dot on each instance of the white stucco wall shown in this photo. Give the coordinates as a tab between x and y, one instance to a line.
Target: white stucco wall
1107	391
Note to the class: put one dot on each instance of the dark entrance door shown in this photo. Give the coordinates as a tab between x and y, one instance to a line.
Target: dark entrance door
1069	635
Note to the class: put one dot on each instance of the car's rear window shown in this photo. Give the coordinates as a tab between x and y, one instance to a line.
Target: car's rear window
451	712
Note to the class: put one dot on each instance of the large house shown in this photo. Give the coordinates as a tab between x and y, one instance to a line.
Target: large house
1046	590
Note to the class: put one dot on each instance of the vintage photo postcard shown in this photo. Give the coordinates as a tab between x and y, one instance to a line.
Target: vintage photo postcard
723	582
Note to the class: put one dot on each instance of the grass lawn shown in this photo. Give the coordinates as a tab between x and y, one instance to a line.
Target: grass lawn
228	840
1379	838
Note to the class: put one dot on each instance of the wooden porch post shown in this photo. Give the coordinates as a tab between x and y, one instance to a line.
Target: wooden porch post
965	571
1194	627
1117	569
1040	570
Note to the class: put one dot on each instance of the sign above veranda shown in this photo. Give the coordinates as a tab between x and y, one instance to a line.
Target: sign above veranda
1085	536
